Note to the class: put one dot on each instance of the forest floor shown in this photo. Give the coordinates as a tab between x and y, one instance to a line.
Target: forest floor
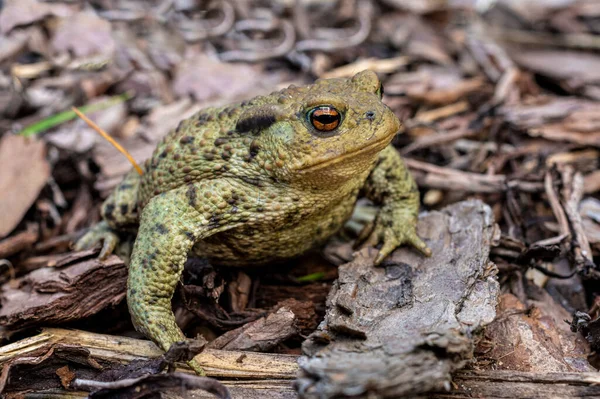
500	102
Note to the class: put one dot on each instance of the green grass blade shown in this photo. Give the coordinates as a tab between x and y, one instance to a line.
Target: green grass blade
62	117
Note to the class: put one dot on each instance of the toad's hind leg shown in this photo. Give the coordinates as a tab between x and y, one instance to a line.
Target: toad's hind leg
169	227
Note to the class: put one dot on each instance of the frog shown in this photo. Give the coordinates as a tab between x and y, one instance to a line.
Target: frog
255	183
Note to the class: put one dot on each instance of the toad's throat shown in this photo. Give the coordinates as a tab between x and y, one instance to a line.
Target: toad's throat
371	148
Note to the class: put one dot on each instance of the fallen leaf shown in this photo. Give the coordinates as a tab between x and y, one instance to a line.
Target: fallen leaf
24	173
24	12
84	34
581	68
206	79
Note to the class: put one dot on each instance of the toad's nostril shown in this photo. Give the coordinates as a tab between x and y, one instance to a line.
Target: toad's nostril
370	115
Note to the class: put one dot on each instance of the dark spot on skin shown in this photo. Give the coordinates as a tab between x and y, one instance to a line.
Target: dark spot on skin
291	216
223	115
124	209
225	156
214	220
244	103
163	154
202	117
108	211
231	132
124	187
187	169
190	236
231	201
251	180
254	149
255	123
177	157
370	115
234	209
260	208
133	291
319	231
208	156
220	141
186	140
179	125
192	195
161	228
187	178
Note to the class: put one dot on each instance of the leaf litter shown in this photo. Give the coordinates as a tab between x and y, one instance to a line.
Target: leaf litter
498	100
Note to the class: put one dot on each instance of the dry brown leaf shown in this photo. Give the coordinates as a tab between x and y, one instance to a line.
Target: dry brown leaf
85	34
23	174
24	12
573	66
206	79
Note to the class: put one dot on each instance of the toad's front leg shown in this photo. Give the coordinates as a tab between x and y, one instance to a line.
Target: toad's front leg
391	186
170	224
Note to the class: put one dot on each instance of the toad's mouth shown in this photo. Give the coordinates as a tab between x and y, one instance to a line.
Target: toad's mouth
372	147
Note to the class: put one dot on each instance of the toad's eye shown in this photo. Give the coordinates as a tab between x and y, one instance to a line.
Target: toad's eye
324	118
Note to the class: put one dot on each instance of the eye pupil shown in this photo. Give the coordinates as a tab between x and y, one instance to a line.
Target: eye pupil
324	118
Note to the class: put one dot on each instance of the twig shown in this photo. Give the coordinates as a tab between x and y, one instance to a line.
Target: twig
559	213
364	14
109	139
572	194
286	45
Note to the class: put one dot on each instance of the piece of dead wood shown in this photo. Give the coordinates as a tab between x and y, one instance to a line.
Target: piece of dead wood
532	339
382	66
152	384
591	182
23	174
433	176
572	193
254	372
557	118
63	293
402	328
433	85
18	242
260	335
516	384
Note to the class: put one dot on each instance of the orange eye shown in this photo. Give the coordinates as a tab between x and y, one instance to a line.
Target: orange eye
324	118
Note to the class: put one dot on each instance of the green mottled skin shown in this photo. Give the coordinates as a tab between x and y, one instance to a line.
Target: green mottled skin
254	183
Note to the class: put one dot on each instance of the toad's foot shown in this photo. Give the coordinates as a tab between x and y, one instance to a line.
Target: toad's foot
100	233
393	229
